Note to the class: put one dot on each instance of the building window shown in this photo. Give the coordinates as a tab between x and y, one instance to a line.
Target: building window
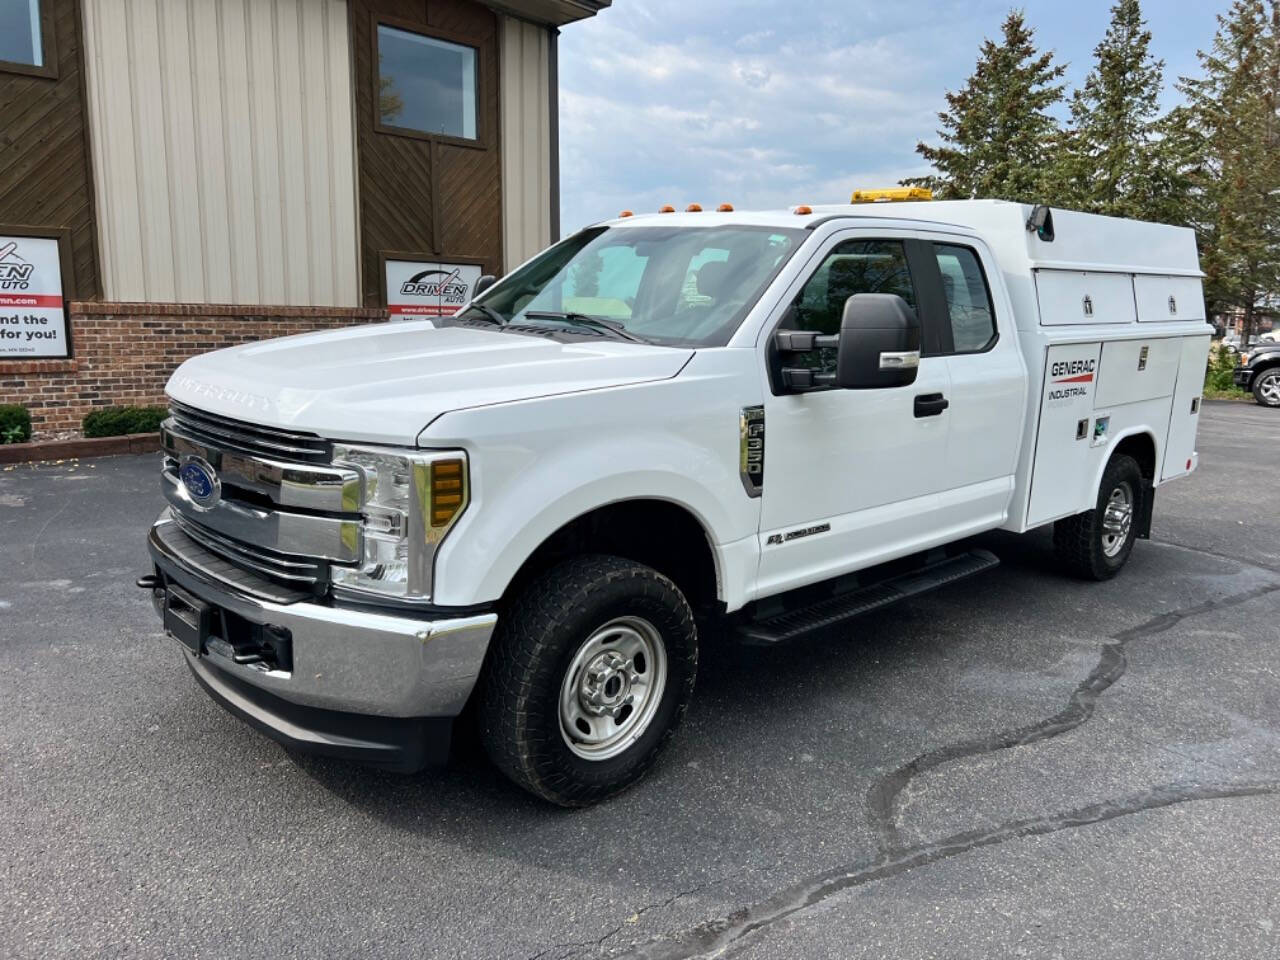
425	85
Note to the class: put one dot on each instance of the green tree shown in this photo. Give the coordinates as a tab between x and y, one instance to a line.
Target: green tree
1231	128
997	133
1114	158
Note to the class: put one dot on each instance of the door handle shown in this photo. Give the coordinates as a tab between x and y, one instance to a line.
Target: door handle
931	404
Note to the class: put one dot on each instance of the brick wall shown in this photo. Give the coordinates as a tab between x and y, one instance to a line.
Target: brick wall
125	352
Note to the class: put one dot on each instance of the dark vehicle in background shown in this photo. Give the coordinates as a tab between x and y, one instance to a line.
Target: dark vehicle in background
1259	372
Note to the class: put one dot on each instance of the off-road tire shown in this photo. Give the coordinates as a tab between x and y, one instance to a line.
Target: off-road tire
1078	540
1271	377
537	639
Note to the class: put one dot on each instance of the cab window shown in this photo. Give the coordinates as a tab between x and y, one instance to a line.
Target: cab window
973	325
855	266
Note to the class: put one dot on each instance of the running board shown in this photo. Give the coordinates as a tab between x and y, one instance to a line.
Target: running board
835	610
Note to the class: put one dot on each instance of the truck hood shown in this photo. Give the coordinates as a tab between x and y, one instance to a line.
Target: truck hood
385	382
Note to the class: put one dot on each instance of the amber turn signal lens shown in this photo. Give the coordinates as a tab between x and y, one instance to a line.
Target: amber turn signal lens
447	479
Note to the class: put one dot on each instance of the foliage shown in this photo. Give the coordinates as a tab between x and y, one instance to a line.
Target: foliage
1115	158
1218	380
997	133
119	421
15	423
1231	135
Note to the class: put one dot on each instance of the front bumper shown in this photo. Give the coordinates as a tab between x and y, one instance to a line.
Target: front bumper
1242	377
360	683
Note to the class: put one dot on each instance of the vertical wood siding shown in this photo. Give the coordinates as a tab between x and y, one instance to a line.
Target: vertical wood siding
526	140
223	150
44	163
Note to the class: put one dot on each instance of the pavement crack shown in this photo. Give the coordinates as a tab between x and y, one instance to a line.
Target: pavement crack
599	942
883	796
716	938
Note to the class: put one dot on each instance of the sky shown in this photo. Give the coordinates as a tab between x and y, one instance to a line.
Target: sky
771	103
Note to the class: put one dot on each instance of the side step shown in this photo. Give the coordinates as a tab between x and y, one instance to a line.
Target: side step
830	612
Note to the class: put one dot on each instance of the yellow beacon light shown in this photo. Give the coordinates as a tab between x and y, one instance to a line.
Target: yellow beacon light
891	195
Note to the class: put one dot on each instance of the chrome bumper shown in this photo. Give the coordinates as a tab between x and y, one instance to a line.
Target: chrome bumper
344	659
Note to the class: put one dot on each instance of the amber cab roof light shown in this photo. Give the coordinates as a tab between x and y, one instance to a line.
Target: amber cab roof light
626	213
725	208
693	208
891	195
666	208
803	210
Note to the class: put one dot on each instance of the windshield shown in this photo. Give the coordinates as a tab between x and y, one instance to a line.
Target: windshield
668	285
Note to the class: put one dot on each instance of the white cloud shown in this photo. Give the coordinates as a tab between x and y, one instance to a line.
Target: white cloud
770	103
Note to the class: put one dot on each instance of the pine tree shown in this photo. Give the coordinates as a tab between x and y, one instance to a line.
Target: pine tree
997	133
1114	159
1231	120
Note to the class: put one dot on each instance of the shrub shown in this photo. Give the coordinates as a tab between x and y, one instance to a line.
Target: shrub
1218	379
118	421
15	423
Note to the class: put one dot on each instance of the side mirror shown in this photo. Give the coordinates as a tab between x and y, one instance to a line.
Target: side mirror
879	343
483	284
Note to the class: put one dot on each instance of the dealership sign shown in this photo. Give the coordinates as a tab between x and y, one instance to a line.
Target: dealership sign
417	290
33	318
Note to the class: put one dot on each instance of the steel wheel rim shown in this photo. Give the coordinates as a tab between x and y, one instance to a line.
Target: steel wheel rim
1270	388
1117	519
612	689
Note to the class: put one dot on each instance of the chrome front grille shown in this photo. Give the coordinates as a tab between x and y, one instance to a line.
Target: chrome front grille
273	443
282	511
297	571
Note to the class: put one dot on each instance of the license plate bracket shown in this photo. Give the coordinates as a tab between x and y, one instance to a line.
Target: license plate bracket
188	619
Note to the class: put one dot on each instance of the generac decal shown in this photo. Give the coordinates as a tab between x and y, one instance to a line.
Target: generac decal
1068	379
1073	371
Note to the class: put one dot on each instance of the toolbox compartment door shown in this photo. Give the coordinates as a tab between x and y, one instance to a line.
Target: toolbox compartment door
1134	370
1161	299
1061	475
1069	297
1185	417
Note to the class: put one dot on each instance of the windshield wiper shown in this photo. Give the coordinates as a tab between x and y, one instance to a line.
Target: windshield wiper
488	312
586	320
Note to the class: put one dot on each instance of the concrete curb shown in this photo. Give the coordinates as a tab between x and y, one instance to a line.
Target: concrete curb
79	447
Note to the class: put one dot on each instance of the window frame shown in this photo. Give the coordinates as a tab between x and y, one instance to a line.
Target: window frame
948	329
481	141
921	287
48	49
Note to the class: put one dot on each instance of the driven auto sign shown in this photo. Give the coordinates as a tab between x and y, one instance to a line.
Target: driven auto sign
33	319
424	290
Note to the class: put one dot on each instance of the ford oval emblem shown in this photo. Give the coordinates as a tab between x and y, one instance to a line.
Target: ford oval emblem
200	481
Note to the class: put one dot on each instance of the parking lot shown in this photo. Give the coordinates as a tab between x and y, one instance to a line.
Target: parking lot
1019	765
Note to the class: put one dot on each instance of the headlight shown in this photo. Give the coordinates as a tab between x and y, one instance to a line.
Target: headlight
410	502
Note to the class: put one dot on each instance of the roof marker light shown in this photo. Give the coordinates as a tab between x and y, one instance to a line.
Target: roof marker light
626	213
725	208
803	210
666	208
693	208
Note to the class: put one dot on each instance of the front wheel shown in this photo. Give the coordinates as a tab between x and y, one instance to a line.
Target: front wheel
587	679
1095	544
1266	387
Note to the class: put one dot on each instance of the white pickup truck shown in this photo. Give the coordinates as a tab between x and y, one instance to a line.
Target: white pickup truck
767	422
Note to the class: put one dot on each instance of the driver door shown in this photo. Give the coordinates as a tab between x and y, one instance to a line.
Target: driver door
852	477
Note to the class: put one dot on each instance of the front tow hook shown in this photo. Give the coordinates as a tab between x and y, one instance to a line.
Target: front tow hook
149	582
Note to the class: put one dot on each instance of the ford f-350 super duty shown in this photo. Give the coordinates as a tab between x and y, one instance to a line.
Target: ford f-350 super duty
761	423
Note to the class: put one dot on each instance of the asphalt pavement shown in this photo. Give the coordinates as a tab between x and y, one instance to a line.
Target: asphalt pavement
1018	765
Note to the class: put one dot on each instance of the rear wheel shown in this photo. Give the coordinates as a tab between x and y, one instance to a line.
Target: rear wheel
1266	387
1097	543
589	676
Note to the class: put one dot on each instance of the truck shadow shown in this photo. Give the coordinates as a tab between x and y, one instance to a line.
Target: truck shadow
782	745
